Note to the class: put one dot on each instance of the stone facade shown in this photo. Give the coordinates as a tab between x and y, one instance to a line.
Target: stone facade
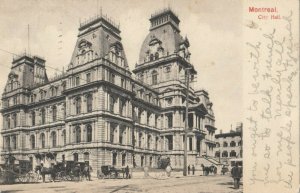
97	111
229	145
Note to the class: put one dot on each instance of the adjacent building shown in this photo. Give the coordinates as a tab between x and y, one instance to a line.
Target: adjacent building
100	111
229	145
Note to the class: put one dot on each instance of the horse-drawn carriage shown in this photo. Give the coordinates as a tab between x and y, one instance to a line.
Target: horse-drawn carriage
65	171
108	171
19	171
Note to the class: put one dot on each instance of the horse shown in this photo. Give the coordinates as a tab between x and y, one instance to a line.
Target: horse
46	171
208	170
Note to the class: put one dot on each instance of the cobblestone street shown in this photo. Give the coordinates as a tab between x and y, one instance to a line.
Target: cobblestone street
197	184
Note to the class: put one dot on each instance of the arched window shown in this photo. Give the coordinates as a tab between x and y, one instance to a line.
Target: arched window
89	103
64	137
32	141
217	144
232	144
156	56
232	153
224	154
43	140
75	157
43	116
78	134
53	137
86	156
114	159
14	117
33	118
225	144
78	105
151	57
89	133
154	77
54	113
217	154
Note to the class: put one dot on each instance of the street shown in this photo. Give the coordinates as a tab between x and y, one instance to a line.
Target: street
197	184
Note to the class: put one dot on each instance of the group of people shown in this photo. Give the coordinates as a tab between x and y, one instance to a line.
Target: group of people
189	169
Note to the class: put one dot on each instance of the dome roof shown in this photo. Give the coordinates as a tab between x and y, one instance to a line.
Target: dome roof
168	38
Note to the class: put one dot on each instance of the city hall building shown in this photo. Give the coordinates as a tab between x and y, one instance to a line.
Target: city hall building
100	111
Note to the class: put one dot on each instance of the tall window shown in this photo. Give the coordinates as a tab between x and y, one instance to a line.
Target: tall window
14	142
154	77
8	143
75	157
156	143
112	77
151	57
52	91
78	105
112	132
54	113
156	55
64	136
89	103
89	133
121	135
88	77
86	156
14	117
43	140
140	139
78	134
190	143
121	110
33	118
77	81
114	159
43	116
32	141
122	83
170	142
149	140
123	159
111	103
170	120
168	70
53	137
8	121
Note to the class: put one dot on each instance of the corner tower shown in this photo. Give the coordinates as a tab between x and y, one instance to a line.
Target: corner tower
98	37
164	54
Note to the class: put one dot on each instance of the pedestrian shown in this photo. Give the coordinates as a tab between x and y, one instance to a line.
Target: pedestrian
236	174
127	172
193	169
189	169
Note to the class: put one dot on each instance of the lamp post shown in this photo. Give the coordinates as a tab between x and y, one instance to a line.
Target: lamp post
186	121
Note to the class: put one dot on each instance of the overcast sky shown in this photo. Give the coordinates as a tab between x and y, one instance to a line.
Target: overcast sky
214	29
